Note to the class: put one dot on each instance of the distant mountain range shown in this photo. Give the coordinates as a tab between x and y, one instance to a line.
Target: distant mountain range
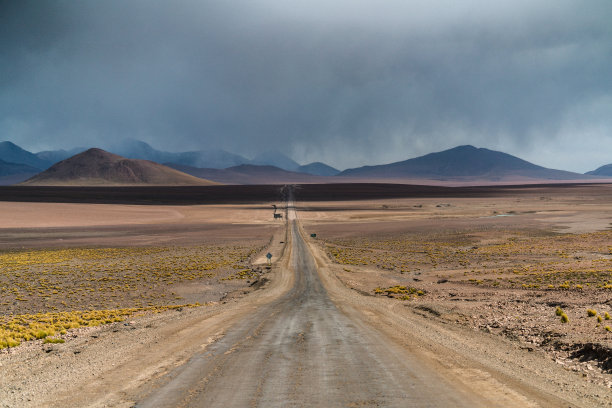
15	159
217	159
11	153
251	174
98	167
276	159
318	169
53	156
464	164
17	164
603	171
15	169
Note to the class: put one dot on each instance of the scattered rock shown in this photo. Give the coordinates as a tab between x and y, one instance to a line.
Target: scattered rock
48	348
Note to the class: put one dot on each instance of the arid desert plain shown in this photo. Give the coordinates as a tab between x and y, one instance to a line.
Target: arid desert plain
499	296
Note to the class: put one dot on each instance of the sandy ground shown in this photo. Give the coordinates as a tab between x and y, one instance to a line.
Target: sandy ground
457	326
40	230
114	365
575	209
45	225
545	249
486	365
63	215
302	342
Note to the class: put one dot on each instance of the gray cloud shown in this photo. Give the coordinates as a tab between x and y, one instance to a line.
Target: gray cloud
348	82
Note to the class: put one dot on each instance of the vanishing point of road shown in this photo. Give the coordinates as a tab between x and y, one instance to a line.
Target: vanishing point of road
301	350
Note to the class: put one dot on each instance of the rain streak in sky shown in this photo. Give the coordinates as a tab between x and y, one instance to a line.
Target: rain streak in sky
348	82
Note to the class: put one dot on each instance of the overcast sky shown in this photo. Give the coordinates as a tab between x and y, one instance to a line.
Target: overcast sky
348	82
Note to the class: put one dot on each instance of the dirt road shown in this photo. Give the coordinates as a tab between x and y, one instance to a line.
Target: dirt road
301	350
308	334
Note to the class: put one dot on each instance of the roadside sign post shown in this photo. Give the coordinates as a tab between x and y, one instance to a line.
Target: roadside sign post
269	256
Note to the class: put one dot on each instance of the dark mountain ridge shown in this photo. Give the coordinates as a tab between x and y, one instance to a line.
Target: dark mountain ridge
9	169
318	169
250	174
214	158
276	159
603	171
462	162
54	156
11	153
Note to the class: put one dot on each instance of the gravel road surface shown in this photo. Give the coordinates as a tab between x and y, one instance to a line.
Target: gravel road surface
301	350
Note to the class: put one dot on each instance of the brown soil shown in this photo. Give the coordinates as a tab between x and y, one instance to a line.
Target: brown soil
43	225
505	339
64	257
500	265
103	363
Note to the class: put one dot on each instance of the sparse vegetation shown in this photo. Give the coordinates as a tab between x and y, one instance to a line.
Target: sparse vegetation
53	340
502	276
15	329
242	274
522	260
406	292
32	281
44	292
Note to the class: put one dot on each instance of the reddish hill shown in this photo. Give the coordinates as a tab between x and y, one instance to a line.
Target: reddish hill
97	167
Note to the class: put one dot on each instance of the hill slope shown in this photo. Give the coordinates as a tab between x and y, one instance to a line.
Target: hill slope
318	169
461	163
276	159
12	173
8	169
10	152
98	167
54	156
215	158
605	171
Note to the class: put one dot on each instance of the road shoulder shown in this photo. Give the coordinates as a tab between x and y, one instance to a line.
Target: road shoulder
484	363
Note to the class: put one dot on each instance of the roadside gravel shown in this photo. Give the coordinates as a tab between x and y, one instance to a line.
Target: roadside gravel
479	359
114	365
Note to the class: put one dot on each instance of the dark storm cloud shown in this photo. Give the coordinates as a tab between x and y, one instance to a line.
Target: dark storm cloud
349	82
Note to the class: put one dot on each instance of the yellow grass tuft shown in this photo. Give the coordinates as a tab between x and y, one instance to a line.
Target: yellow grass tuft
15	329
